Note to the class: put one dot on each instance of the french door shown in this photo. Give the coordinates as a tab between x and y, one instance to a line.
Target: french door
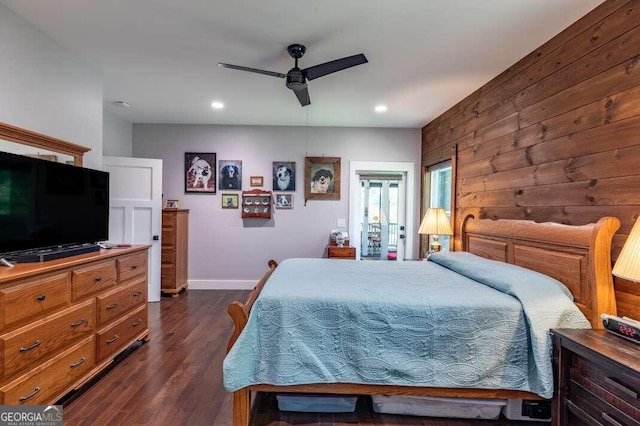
380	212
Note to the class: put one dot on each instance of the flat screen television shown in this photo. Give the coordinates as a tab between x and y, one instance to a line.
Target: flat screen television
44	204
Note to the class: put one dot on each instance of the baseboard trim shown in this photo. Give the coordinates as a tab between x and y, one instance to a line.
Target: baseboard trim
222	284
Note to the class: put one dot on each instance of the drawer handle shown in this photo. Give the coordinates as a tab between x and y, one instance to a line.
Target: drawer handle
78	323
134	266
137	323
98	279
113	305
611	420
79	363
28	348
137	293
110	341
35	391
621	387
41	297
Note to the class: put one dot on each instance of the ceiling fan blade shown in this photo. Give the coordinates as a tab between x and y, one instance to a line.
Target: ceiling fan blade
333	66
241	68
303	96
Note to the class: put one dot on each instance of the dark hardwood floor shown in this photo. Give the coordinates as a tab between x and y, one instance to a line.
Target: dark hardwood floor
176	378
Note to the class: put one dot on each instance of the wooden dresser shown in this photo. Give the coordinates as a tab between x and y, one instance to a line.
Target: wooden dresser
63	321
597	379
175	246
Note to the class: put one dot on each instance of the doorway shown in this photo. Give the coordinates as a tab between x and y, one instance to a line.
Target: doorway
397	181
379	216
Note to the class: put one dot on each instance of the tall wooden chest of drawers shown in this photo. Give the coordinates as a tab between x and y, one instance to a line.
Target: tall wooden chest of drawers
597	379
175	246
63	321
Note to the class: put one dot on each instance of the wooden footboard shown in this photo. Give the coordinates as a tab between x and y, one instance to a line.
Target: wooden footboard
239	312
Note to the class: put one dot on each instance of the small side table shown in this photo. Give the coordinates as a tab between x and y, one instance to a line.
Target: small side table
346	252
597	378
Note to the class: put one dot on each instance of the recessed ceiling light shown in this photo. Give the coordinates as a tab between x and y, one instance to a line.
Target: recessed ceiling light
381	108
217	105
122	104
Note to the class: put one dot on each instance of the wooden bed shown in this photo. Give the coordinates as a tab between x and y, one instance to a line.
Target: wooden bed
578	256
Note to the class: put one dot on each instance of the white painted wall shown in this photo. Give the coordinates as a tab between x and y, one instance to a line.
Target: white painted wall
117	136
45	89
226	251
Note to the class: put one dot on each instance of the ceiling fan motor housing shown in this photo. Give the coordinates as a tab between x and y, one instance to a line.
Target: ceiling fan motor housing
295	79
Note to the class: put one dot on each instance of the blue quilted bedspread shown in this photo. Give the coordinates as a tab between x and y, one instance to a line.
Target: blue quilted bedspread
457	321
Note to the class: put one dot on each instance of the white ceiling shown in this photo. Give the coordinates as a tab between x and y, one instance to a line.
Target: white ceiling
424	56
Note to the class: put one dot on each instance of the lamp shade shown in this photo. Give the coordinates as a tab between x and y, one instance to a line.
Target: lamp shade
628	263
435	222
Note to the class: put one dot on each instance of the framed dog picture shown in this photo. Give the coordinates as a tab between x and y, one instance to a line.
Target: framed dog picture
284	201
230	174
199	172
229	201
284	175
322	178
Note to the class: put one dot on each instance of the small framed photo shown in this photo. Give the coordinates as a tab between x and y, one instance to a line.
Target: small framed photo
199	175
284	201
229	201
256	181
322	178
171	204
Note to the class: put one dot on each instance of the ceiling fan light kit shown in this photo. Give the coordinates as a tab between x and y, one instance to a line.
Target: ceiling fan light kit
296	78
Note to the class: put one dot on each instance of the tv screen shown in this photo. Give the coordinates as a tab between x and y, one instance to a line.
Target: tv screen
48	204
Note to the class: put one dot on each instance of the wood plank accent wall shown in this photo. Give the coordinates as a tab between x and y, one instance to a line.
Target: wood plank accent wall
555	137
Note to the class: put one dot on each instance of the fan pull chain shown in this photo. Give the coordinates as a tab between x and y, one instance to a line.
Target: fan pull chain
306	153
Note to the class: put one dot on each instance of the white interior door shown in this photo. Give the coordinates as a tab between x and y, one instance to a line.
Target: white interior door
135	208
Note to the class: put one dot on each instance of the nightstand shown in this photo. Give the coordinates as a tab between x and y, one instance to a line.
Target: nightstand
597	378
346	252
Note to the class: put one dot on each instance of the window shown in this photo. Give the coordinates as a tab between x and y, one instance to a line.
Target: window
438	183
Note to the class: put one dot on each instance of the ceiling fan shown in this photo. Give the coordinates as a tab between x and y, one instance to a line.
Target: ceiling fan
297	78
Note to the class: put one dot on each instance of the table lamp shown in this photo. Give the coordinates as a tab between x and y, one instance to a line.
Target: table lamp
435	222
628	263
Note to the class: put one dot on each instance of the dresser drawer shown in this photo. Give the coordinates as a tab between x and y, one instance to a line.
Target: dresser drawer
121	333
113	304
335	252
33	298
620	391
132	266
25	346
168	255
92	279
168	275
52	378
168	236
588	406
606	382
168	221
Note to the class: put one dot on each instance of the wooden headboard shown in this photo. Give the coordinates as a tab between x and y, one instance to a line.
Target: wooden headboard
577	256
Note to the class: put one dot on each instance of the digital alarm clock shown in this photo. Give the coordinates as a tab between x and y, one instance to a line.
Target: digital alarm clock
623	327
